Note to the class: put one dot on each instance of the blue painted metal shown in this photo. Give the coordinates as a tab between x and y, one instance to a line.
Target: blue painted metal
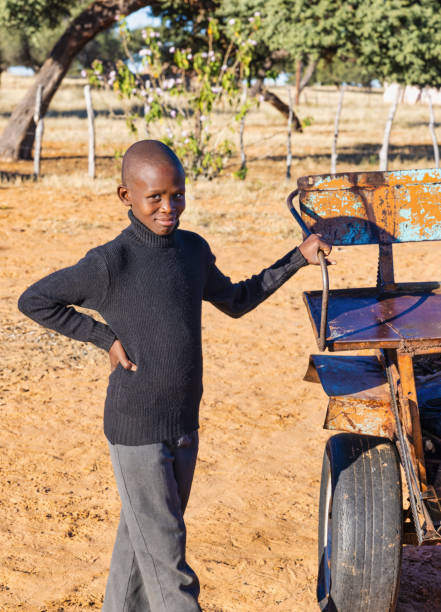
373	207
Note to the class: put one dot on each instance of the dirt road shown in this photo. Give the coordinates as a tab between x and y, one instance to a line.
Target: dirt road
252	517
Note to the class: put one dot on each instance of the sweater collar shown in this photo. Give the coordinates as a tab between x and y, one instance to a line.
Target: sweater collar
144	235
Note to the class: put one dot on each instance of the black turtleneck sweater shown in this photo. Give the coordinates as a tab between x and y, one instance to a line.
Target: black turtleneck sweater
149	290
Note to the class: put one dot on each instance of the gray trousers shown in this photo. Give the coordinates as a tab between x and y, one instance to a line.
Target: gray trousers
148	571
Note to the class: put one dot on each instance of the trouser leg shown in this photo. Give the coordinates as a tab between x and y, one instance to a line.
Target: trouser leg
125	589
148	562
183	467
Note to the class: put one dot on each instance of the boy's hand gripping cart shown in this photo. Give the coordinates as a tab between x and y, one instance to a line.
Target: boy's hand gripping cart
375	397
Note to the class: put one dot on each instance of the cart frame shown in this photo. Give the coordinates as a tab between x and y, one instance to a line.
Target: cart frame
401	319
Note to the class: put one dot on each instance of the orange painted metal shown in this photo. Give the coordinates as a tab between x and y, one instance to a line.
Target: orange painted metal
409	403
373	207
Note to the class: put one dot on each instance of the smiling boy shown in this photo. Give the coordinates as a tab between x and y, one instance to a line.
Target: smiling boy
148	284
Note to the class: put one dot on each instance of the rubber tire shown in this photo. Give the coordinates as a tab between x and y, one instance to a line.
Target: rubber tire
366	530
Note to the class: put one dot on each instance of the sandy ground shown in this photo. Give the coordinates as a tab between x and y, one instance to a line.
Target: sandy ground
252	516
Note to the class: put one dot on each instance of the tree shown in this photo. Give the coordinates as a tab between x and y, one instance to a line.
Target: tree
401	41
18	47
176	91
348	70
32	14
295	35
187	28
17	139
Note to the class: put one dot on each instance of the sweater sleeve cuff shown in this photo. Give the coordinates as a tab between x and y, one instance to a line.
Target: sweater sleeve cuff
102	336
297	260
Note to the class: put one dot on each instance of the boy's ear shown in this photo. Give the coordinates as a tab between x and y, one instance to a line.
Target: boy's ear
123	194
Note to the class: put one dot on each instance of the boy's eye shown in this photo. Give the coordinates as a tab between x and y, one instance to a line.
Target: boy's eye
155	196
179	195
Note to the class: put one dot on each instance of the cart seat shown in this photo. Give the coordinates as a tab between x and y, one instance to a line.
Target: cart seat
408	317
381	208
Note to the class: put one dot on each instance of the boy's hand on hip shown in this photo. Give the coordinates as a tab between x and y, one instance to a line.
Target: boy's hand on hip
118	355
311	246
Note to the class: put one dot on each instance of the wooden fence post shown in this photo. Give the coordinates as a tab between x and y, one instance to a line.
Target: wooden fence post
288	143
91	129
432	132
299	67
243	157
38	120
387	130
336	128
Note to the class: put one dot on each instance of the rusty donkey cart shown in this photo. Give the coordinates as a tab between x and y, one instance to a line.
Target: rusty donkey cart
392	421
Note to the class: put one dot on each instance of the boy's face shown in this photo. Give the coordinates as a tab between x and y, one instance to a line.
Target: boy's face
156	194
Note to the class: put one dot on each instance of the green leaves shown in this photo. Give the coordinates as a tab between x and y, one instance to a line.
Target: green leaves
33	14
401	40
396	40
179	89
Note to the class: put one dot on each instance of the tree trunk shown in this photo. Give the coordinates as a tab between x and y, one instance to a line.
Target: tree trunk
38	120
299	67
307	75
259	88
18	137
283	108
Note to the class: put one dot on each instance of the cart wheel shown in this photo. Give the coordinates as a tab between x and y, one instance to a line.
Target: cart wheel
360	525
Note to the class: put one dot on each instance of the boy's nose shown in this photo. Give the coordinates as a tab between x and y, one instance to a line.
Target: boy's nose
168	204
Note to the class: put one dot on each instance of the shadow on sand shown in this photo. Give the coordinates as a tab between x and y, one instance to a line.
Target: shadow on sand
420	586
365	153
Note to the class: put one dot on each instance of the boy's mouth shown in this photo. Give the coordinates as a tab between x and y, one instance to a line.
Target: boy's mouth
166	221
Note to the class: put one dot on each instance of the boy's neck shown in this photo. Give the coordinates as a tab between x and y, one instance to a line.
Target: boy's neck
144	235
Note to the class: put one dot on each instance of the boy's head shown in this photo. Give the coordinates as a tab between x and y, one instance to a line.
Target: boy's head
153	185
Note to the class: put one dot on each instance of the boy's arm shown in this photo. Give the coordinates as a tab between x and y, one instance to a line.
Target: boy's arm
236	299
48	301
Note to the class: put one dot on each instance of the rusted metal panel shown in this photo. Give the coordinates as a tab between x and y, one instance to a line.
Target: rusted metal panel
366	318
370	418
373	207
358	391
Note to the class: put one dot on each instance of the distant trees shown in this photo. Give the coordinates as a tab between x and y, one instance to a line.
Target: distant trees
398	40
29	29
401	40
338	41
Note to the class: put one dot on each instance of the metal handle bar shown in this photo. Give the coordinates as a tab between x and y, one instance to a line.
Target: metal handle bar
324	268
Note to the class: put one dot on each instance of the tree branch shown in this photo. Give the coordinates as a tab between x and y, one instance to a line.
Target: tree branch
258	88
